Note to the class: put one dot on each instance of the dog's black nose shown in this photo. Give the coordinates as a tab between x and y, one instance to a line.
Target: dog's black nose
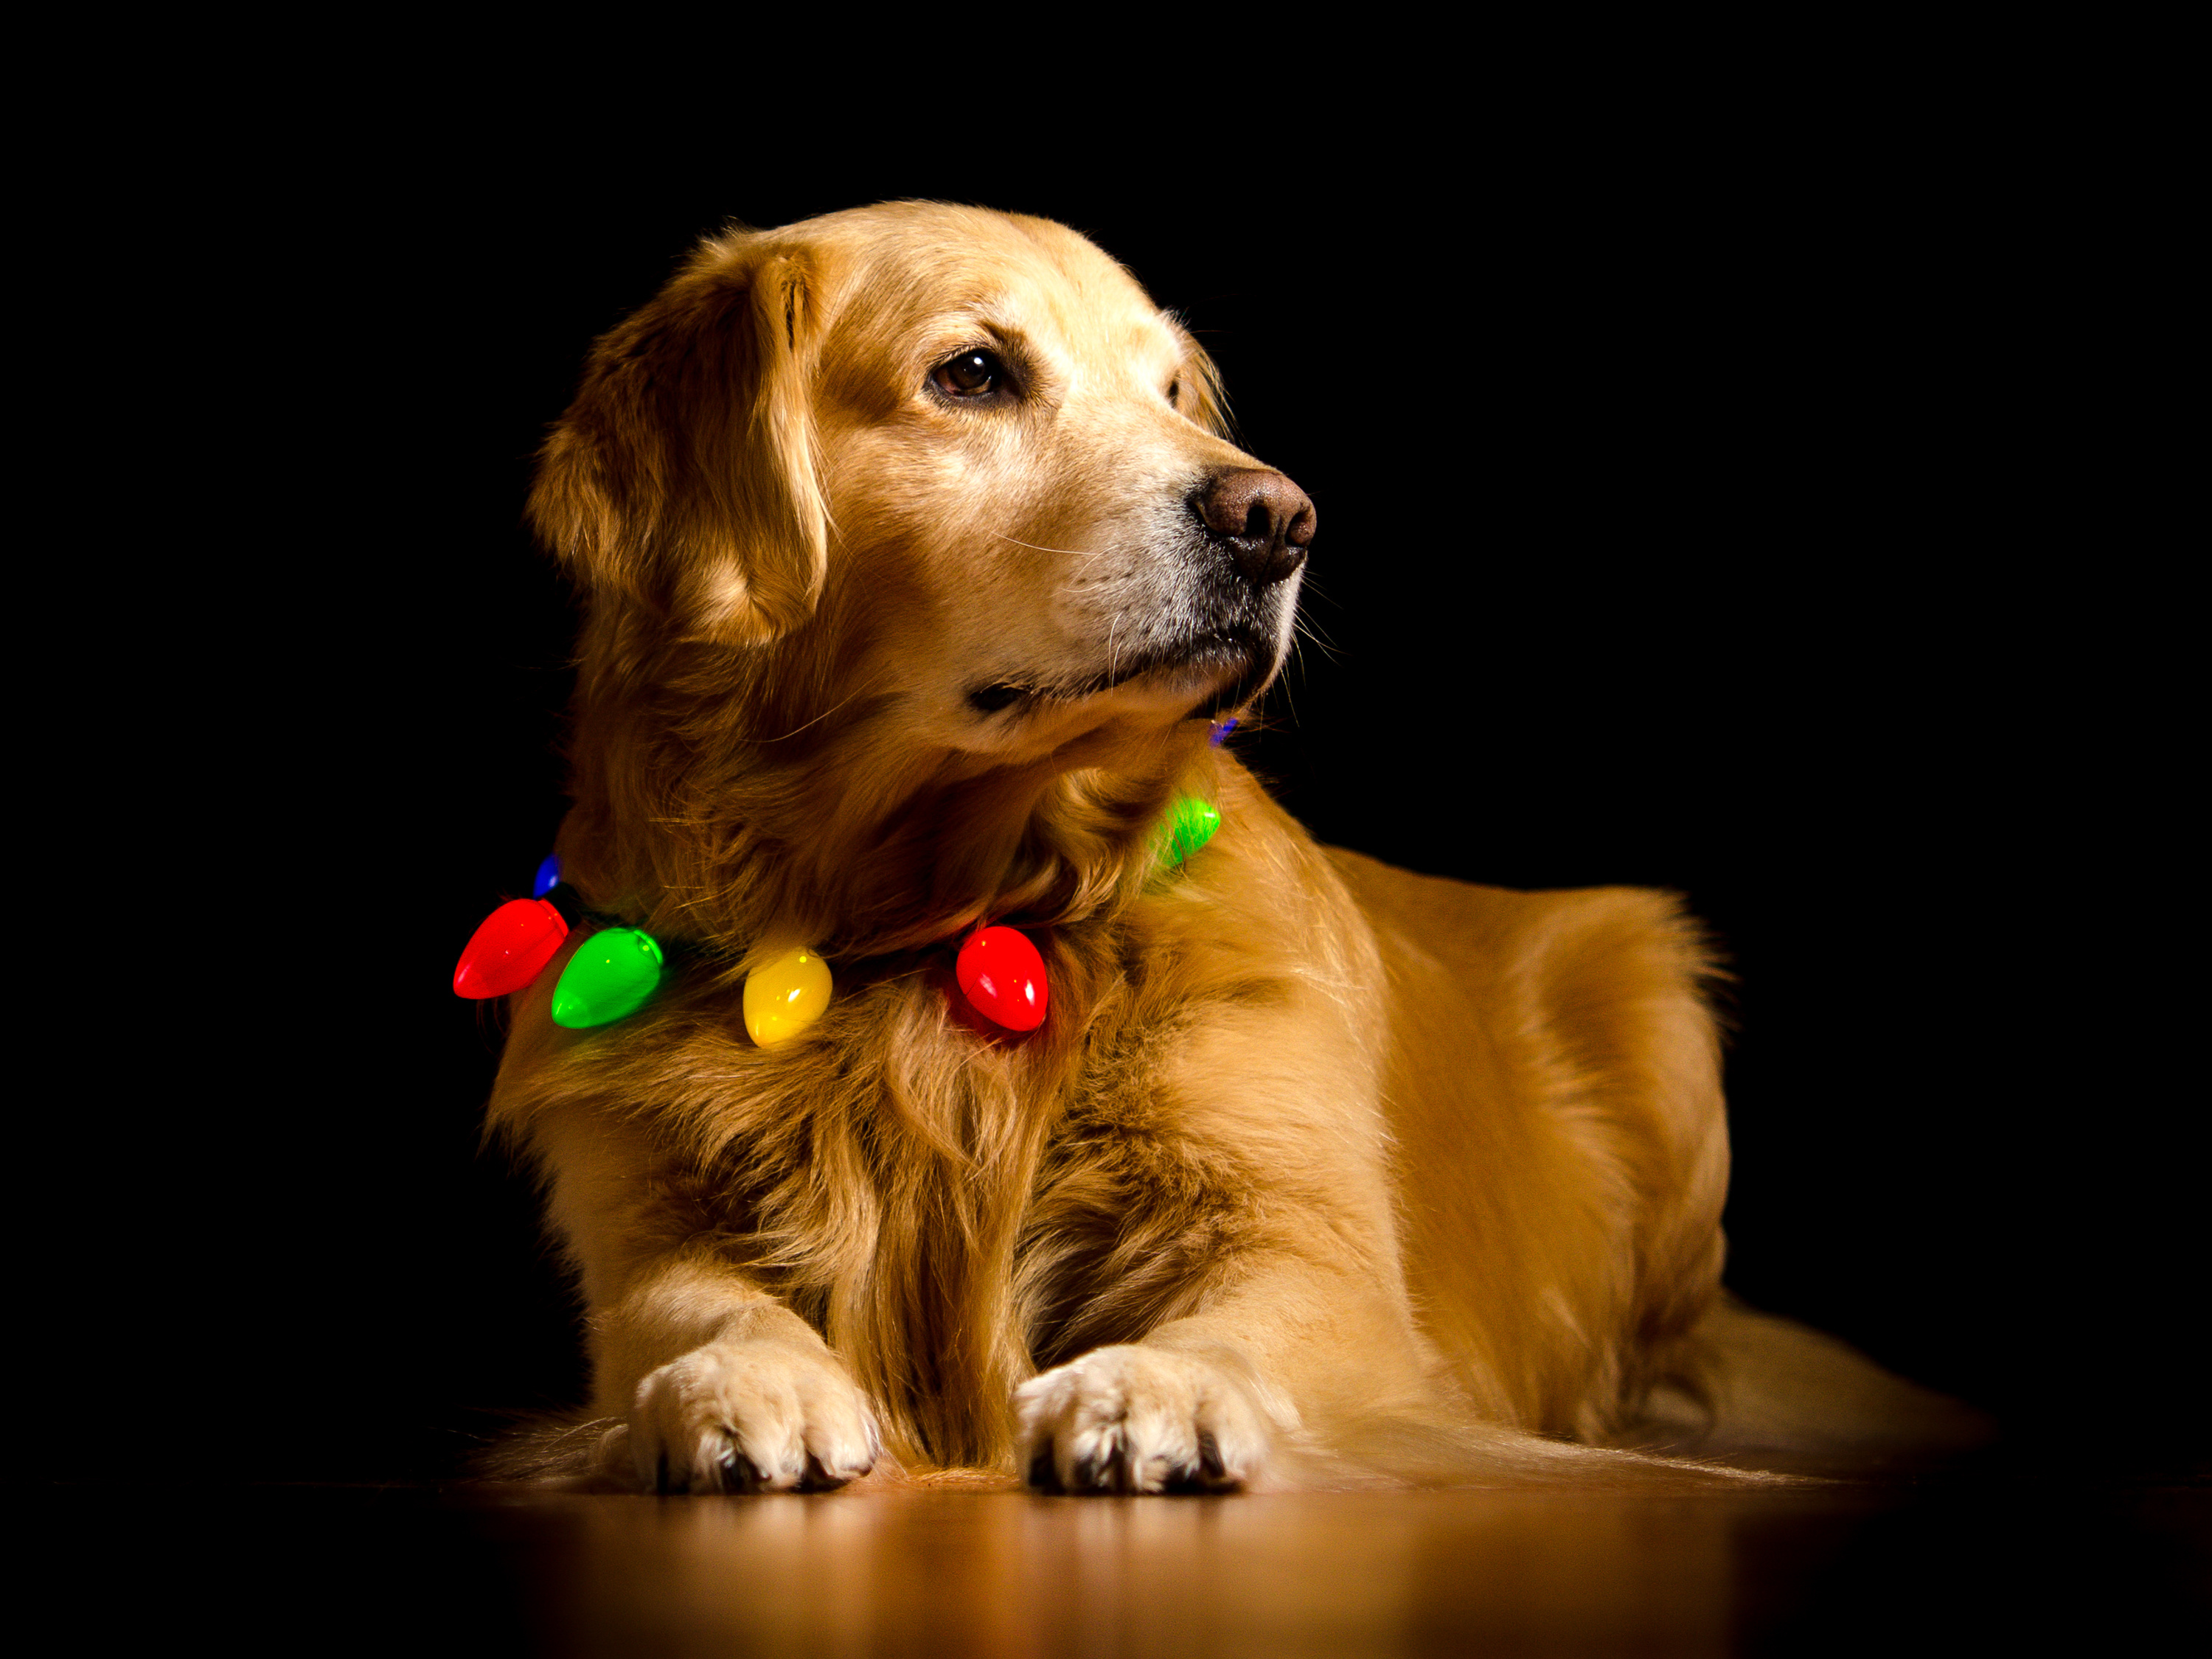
1261	517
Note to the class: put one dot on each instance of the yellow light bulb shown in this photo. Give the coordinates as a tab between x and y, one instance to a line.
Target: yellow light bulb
785	997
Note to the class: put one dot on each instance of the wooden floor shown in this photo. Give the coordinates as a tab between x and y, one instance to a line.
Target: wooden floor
1857	1569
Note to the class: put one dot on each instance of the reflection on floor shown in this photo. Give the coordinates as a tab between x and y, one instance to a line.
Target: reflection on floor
1814	1568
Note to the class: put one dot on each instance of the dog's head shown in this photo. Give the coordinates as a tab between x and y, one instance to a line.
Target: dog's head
970	437
936	489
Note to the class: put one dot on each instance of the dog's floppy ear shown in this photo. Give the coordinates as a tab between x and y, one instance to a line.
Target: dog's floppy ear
683	475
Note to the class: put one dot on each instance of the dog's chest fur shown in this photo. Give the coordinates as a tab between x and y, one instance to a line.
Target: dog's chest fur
951	1211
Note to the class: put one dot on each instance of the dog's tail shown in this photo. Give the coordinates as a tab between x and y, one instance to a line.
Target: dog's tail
1780	1395
1780	1386
1776	1402
1402	1450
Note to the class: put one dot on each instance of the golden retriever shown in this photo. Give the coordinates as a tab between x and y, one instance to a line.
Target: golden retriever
918	571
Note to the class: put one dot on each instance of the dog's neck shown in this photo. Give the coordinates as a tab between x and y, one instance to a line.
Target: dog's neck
748	849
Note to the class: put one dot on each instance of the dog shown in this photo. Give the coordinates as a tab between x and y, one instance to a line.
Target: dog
920	576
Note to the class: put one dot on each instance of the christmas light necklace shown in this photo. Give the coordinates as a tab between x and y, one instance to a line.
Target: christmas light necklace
999	969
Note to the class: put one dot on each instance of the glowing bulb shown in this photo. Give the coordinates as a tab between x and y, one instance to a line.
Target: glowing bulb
785	996
1002	975
611	975
509	949
1190	824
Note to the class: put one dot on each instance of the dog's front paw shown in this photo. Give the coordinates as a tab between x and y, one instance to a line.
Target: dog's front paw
1130	1418
749	1415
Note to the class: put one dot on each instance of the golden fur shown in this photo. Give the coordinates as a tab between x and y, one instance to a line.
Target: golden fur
1318	1172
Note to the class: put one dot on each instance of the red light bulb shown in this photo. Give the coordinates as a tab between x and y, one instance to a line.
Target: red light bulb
1002	975
510	949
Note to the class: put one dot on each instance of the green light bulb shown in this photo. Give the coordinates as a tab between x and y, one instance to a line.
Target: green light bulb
611	975
1190	824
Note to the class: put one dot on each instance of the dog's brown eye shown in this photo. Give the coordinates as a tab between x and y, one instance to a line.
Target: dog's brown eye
1174	394
971	374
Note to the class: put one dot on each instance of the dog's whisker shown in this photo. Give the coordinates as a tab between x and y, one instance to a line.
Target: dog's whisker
1323	643
858	691
1038	548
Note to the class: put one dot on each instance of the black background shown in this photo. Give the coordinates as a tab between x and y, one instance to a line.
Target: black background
1688	507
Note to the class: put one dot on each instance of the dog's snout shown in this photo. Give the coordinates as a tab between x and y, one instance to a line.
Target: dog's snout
1263	519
